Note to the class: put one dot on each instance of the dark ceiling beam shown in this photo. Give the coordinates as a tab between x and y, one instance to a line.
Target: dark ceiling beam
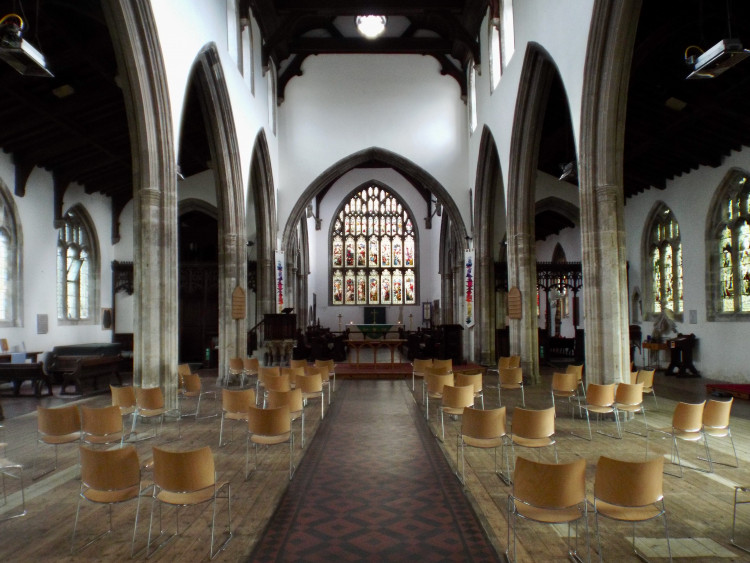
448	68
385	45
292	69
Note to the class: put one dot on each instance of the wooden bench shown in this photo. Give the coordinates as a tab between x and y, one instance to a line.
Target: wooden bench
75	370
18	373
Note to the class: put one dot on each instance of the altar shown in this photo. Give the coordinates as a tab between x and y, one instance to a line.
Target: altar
375	343
374	330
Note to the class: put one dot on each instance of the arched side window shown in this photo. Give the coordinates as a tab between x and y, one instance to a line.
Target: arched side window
10	261
77	266
664	265
728	246
373	245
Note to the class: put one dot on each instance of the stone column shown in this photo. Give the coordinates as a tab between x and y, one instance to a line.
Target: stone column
232	273
524	332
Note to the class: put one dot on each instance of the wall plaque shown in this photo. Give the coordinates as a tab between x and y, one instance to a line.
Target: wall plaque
514	303
238	303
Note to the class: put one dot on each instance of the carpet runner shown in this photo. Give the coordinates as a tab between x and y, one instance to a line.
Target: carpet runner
374	486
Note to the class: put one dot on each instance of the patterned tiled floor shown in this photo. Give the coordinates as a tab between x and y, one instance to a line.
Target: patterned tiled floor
374	487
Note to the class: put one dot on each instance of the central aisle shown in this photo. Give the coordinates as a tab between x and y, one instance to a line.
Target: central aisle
374	486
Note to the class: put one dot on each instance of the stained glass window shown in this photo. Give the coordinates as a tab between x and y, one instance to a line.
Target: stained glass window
731	263
373	250
665	262
10	261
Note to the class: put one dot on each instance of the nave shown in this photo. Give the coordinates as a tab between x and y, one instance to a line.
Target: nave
699	506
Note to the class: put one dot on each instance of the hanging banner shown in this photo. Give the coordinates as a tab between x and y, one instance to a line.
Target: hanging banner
469	287
280	281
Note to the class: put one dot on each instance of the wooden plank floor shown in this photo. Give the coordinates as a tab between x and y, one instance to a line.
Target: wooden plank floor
699	505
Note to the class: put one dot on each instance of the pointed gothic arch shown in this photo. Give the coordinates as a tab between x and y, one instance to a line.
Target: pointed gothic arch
217	115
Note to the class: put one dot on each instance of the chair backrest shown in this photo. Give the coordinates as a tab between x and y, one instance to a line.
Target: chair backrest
298	363
633	377
437	370
600	395
577	369
436	382
419	364
184	471
122	396
530	423
310	383
110	470
101	421
237	400
443	363
550	485
461	378
629	394
688	416
292	399
266	371
250	365
149	397
716	413
514	361
458	397
191	382
510	376
235	366
58	421
483	424
564	382
325	365
279	382
269	422
629	483
646	376
184	369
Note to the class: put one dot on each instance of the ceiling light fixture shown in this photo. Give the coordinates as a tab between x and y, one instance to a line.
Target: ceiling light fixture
370	26
569	170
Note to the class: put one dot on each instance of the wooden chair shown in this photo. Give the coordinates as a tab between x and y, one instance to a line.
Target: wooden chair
268	427
250	367
716	424
646	376
188	478
108	477
510	379
55	427
234	406
149	405
292	373
565	386
473	378
578	370
312	388
236	370
454	401
483	429
687	425
629	491
101	426
123	397
279	382
629	399
263	372
600	399
435	378
417	369
448	363
533	429
192	388
548	494
331	367
292	399
325	378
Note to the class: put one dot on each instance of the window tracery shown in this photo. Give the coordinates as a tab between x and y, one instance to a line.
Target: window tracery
664	263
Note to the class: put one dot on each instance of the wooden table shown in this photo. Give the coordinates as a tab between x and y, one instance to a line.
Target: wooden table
391	343
6	357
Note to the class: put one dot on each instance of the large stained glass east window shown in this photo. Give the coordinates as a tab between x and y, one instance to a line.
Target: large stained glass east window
373	251
665	263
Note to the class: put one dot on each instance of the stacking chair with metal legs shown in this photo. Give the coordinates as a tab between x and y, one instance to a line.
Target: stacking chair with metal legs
55	427
263	373
149	405
187	478
454	401
629	491
331	367
192	388
473	378
549	494
578	370
13	470
533	429
417	369
108	477
483	429
687	425
716	425
435	378
510	379
123	397
101	426
292	399
629	400
268	427
234	406
236	370
646	376
600	399
312	388
565	386
738	490
250	367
